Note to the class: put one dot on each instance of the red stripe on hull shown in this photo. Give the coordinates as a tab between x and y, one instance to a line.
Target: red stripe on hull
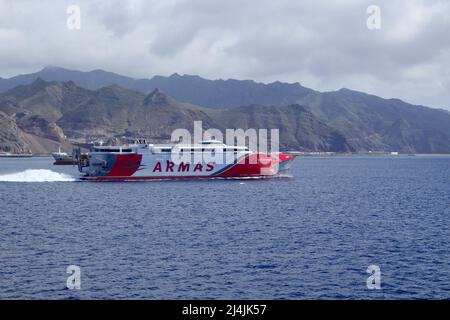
286	157
256	166
125	165
253	165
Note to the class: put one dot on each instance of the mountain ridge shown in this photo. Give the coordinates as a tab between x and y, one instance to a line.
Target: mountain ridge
98	78
185	88
115	112
367	122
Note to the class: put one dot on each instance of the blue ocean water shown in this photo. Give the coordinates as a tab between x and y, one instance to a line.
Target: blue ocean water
312	236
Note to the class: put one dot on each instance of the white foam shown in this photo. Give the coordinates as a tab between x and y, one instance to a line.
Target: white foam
36	175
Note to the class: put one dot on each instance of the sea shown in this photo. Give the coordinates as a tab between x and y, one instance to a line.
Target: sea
355	227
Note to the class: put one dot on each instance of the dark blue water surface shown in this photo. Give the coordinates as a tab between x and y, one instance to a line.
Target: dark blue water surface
312	236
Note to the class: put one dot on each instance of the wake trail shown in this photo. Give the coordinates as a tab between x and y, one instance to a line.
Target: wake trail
36	175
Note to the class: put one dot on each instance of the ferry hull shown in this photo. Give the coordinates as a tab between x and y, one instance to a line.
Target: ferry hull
145	163
65	162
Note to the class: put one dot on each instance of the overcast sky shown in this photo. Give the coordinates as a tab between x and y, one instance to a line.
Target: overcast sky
324	45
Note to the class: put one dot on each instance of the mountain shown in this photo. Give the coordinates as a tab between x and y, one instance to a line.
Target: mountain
115	111
227	93
373	123
298	128
11	138
48	99
63	112
100	103
186	88
89	80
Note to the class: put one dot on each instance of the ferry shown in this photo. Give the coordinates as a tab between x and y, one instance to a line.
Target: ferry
62	158
210	159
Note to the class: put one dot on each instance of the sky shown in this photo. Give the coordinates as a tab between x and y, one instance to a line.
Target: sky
402	52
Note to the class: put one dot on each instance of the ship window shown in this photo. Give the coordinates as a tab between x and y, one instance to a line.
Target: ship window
166	150
113	150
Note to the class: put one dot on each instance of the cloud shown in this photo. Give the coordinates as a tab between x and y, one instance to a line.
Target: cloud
321	44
